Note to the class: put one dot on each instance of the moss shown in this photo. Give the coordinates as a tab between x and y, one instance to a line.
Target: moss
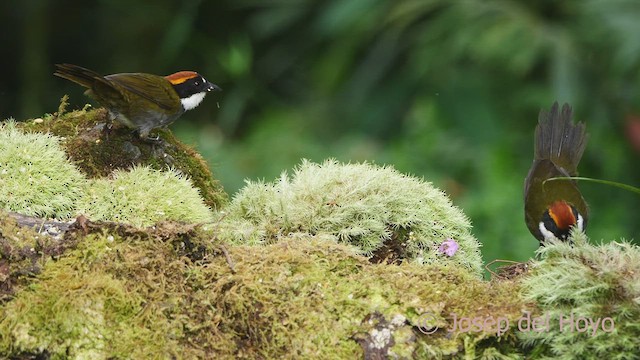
97	152
75	310
67	322
142	197
116	295
127	293
584	284
35	176
37	179
387	215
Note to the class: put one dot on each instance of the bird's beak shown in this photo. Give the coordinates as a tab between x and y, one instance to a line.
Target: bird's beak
213	87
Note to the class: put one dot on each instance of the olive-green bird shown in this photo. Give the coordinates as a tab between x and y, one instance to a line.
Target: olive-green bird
140	101
553	208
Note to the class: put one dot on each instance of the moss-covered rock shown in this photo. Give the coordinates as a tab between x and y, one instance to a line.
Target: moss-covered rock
36	177
98	152
387	215
174	291
123	293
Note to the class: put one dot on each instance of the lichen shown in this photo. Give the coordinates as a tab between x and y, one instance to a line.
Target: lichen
385	214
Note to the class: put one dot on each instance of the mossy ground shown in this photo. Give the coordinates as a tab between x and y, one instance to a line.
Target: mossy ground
591	293
98	153
171	292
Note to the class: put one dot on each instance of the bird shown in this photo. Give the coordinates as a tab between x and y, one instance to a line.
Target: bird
140	101
553	208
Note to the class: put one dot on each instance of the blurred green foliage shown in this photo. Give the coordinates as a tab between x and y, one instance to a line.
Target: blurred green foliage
447	90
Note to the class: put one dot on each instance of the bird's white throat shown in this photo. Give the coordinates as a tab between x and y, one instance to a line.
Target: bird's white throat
192	101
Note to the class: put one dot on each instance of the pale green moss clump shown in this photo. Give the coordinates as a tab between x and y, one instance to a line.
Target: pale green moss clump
35	176
594	292
377	209
144	196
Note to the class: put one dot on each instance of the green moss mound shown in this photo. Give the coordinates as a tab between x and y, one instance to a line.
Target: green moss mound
36	177
594	292
387	215
123	293
143	196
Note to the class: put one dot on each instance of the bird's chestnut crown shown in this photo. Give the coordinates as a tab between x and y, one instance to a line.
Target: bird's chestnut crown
188	83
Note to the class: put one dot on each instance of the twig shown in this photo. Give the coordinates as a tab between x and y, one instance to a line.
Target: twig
228	259
486	267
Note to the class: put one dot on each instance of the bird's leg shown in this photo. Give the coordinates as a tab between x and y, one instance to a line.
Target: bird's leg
108	124
106	129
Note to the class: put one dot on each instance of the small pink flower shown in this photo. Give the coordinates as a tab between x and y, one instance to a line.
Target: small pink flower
449	247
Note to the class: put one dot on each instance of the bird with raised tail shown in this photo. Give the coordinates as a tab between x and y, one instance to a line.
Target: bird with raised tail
553	208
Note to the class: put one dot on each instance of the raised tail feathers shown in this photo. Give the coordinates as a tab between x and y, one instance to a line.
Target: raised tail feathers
558	139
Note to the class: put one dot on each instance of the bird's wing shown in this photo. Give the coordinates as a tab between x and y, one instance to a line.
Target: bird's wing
149	87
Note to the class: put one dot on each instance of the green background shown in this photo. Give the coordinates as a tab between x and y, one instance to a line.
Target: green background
445	90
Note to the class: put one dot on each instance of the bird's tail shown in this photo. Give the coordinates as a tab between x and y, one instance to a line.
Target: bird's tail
559	139
77	74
